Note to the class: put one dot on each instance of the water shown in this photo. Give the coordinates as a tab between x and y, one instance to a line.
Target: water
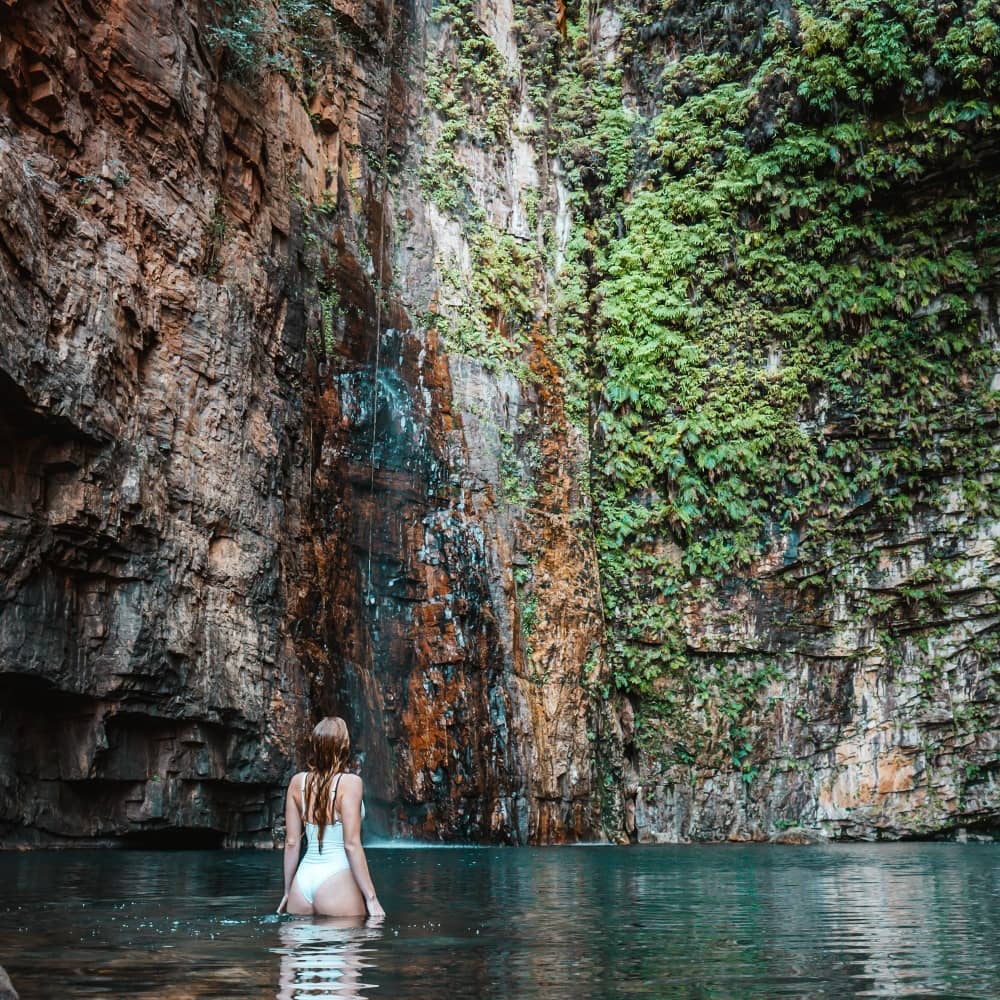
889	920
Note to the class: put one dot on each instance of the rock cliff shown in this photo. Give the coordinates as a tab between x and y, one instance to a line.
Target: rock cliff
242	480
155	447
785	233
320	335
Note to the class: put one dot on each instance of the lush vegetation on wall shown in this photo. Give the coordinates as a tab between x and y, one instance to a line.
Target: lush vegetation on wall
777	287
792	315
303	40
488	302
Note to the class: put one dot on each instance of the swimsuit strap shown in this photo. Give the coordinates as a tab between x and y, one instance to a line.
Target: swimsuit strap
336	785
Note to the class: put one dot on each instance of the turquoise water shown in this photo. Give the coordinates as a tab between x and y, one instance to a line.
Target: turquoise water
888	920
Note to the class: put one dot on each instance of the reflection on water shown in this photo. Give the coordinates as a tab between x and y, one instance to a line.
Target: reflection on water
890	920
323	959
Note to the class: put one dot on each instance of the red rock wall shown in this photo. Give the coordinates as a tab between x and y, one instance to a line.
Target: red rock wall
155	452
201	550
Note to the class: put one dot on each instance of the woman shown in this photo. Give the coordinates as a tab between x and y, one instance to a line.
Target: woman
332	878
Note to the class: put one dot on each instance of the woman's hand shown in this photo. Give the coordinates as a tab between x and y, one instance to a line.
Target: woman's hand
283	905
375	911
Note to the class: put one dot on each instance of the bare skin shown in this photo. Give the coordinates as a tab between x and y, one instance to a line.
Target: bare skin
349	893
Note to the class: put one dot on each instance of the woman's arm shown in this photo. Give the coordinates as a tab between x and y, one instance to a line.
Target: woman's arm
293	841
350	815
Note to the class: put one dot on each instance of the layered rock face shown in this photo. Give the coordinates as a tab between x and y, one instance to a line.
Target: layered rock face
155	455
238	484
312	375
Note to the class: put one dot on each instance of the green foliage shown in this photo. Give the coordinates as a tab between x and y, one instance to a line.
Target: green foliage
218	228
88	184
472	98
494	307
780	353
572	347
330	314
243	36
697	716
479	79
254	37
518	469
314	27
529	615
790	328
445	180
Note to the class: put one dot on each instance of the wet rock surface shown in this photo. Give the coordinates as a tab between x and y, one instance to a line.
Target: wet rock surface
246	478
213	526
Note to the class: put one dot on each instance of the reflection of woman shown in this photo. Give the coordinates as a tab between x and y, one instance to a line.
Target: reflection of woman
332	878
323	960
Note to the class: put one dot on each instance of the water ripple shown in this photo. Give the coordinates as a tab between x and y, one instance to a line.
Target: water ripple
917	920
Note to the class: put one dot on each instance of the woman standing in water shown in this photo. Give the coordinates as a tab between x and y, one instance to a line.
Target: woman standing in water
332	879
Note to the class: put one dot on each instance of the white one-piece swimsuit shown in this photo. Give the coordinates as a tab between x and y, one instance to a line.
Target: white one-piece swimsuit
318	864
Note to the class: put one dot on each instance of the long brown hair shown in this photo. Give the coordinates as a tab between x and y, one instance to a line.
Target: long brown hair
330	748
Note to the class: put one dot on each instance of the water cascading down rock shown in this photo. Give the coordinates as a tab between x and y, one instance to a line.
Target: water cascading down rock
189	504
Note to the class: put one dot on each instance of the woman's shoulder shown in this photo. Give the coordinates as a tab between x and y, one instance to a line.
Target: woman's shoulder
349	780
295	782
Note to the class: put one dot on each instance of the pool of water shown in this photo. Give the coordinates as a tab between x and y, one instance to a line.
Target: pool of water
890	920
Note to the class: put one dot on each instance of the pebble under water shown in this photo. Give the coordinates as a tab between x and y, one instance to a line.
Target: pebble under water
887	920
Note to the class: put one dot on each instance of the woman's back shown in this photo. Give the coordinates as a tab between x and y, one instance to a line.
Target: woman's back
333	834
326	805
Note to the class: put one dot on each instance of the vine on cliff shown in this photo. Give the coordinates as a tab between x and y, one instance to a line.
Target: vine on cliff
772	306
791	316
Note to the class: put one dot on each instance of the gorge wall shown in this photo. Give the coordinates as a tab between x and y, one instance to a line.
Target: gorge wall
243	481
595	405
